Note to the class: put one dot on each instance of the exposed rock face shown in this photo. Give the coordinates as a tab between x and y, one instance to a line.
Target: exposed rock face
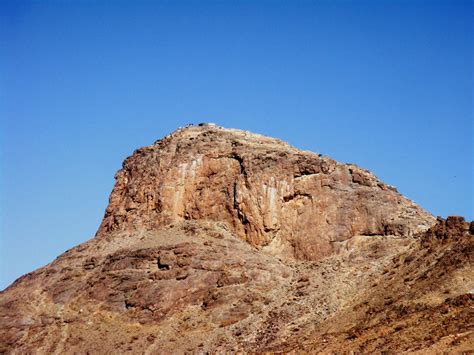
293	203
219	240
429	307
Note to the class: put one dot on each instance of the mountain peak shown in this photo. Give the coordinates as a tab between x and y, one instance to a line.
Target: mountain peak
293	203
219	240
205	130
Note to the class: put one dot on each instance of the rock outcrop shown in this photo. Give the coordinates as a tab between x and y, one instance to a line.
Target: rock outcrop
219	240
422	302
289	202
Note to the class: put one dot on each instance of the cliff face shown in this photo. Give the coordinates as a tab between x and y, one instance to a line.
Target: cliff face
289	202
219	240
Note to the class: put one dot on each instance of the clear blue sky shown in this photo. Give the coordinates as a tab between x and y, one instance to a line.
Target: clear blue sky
387	85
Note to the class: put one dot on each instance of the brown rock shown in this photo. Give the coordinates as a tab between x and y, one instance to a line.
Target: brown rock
219	240
291	203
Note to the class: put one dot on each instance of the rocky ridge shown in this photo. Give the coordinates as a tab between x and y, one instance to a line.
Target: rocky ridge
219	240
291	203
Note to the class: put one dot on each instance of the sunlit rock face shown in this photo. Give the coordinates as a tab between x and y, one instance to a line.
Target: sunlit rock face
223	241
293	203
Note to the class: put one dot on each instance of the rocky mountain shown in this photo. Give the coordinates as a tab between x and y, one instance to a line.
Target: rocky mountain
220	240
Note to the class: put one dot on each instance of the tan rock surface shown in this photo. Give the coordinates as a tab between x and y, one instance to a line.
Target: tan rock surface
423	301
219	240
291	203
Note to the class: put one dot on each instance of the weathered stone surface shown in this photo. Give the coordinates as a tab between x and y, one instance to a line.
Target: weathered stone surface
197	277
423	301
291	203
220	241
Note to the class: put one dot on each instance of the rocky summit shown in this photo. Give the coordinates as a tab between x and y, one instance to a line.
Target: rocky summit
221	240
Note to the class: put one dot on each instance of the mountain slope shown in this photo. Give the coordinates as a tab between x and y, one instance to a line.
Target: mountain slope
422	301
222	240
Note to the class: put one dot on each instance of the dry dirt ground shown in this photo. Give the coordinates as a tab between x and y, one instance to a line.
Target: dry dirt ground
195	287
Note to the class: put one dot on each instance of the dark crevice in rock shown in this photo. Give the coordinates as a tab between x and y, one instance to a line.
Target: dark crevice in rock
303	173
162	265
370	234
240	160
296	195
